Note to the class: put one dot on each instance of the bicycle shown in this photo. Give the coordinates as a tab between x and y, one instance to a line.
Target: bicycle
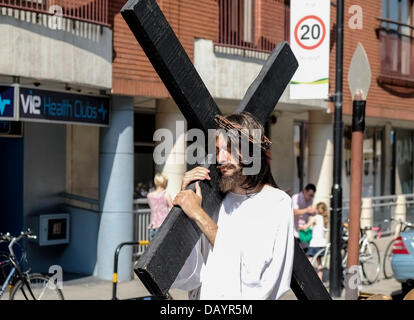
369	257
22	284
322	259
401	227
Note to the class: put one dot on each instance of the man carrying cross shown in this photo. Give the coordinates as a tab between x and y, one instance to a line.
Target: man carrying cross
160	264
247	249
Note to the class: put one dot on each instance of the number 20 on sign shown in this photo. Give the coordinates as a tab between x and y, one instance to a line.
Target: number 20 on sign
310	32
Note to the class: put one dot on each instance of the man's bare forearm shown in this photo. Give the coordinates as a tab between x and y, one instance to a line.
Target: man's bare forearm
206	225
300	211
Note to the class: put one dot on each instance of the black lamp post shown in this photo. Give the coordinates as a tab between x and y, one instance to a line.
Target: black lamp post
335	269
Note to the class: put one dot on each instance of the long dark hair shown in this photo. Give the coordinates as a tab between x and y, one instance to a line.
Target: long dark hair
247	121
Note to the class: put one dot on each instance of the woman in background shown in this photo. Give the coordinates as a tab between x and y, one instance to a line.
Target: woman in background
160	203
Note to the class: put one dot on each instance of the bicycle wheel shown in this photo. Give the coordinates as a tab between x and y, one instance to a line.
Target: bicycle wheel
386	264
324	256
40	287
314	261
370	262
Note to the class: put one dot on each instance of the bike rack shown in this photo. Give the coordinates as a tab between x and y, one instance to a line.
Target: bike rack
115	273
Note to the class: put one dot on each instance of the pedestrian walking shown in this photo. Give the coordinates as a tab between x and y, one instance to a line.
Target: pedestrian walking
160	203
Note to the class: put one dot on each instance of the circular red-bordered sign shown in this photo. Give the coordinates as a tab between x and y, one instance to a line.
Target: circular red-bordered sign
323	32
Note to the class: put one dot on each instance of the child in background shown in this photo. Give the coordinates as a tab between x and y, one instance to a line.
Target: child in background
160	203
319	225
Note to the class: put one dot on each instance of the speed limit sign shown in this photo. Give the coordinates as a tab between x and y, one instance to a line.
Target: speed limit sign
309	40
310	32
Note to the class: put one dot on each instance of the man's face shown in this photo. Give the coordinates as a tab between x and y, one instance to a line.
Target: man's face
308	194
228	164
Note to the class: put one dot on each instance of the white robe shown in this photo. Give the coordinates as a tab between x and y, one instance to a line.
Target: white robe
253	253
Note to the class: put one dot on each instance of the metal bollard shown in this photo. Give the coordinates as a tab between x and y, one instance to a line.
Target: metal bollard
115	273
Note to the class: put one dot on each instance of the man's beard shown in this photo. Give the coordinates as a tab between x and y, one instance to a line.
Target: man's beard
230	182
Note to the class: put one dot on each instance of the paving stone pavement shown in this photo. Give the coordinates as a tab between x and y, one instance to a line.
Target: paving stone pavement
92	288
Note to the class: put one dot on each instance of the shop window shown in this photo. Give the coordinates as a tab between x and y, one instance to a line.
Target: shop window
403	150
372	161
144	127
82	166
300	136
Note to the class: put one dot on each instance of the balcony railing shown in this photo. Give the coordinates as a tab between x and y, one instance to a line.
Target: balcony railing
92	11
237	25
397	53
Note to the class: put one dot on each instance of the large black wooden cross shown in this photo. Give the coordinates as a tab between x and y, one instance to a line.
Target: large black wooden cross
160	264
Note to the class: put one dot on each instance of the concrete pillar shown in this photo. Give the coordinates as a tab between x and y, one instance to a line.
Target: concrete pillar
169	117
320	168
400	211
367	216
116	182
283	160
387	158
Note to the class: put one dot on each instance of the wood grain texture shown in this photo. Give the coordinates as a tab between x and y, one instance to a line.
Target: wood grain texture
305	282
265	91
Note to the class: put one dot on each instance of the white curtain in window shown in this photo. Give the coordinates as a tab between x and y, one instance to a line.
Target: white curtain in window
406	14
248	21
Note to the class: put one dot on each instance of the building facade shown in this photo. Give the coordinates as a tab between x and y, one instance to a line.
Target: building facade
56	128
228	42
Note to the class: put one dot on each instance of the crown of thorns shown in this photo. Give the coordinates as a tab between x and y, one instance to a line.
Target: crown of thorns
227	125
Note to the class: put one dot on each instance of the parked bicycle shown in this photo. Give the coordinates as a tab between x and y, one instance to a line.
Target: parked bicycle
401	227
369	256
322	259
23	285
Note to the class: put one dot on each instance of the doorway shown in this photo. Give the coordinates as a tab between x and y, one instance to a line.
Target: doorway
11	185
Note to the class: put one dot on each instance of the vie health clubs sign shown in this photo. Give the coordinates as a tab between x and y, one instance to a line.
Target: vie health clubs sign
52	106
7	103
309	40
19	103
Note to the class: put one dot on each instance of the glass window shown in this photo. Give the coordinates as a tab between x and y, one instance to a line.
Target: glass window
372	162
300	134
398	11
144	127
404	161
393	10
396	38
287	20
236	22
82	161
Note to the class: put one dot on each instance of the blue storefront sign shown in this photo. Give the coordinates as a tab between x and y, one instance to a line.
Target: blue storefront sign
52	106
7	99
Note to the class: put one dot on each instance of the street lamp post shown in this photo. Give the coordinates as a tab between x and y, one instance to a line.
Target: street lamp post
359	79
335	272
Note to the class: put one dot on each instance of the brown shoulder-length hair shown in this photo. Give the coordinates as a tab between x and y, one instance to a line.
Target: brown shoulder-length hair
247	121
